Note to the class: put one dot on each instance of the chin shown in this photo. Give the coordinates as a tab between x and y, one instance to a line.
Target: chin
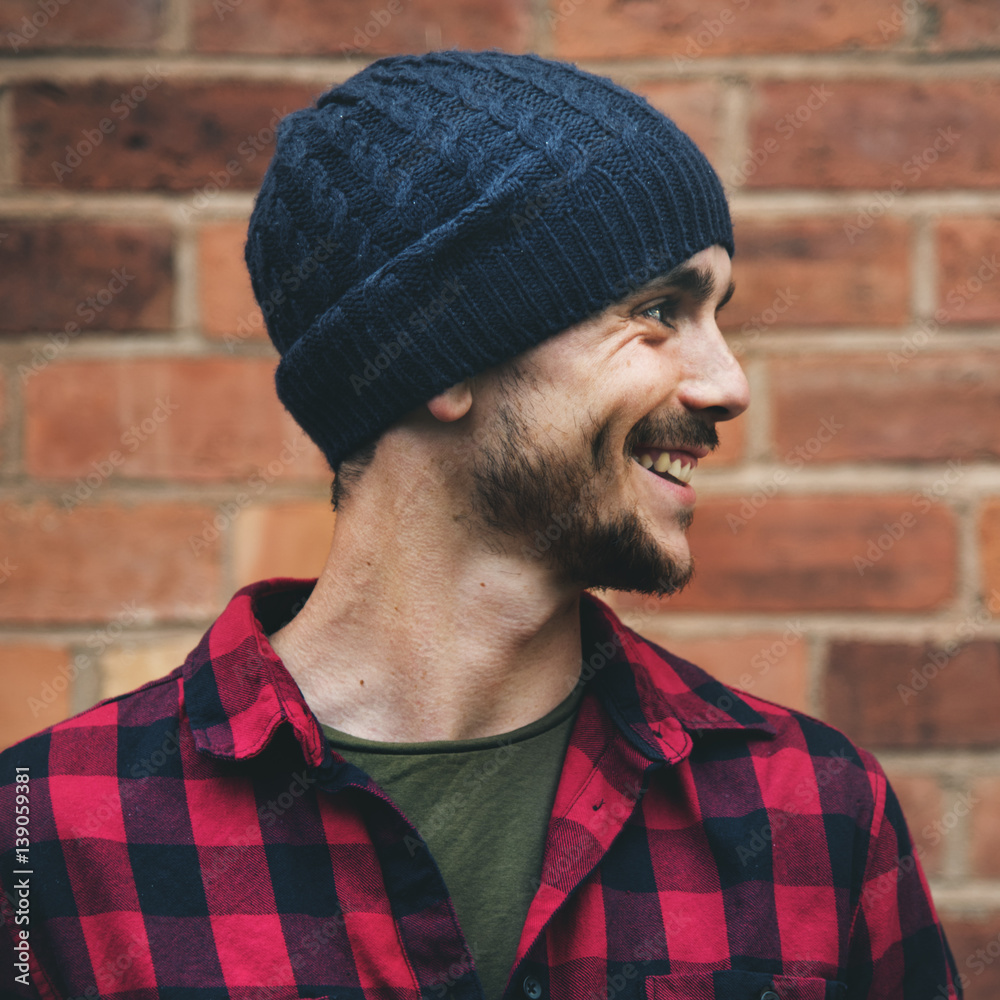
624	554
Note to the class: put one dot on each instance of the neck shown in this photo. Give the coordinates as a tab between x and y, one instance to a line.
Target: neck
427	630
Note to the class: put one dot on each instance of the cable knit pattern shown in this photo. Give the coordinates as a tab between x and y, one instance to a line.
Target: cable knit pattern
435	215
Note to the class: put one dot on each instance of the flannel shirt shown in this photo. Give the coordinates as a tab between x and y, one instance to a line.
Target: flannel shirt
198	839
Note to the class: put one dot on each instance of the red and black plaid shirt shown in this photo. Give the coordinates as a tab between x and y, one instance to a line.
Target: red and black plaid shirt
197	839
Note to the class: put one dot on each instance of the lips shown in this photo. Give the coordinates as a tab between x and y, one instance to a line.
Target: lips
667	463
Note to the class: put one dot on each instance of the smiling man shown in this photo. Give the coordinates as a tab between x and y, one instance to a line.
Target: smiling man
444	769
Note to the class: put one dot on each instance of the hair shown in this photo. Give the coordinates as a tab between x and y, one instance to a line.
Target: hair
349	471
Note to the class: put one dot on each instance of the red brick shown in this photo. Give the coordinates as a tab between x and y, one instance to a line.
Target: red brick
99	561
900	406
876	133
975	944
359	27
920	797
963	26
984	849
768	665
799	554
179	137
696	106
283	539
130	664
72	277
989	545
226	300
968	287
195	419
915	695
605	29
732	442
804	273
35	689
134	24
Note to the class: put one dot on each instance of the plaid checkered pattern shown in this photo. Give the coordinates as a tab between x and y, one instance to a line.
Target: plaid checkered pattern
197	839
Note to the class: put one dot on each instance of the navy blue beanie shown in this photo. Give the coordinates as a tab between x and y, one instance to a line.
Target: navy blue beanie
438	214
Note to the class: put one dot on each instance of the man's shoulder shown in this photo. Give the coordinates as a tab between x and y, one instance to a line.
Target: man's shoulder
222	675
769	731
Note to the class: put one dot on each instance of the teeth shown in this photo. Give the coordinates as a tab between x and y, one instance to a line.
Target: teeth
674	468
682	472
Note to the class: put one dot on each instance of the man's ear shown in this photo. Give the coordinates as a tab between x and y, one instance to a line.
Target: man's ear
452	404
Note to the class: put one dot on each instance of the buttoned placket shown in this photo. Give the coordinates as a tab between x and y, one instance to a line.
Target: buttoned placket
434	949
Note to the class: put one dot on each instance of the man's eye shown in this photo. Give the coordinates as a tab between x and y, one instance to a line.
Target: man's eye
661	312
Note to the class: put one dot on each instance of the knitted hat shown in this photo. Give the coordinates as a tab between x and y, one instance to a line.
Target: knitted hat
436	215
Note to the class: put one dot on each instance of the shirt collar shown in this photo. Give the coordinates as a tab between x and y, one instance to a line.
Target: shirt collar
238	693
658	700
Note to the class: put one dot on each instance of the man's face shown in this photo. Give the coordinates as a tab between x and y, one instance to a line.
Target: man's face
575	430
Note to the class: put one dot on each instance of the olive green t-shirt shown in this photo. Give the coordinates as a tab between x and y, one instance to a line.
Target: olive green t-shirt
483	808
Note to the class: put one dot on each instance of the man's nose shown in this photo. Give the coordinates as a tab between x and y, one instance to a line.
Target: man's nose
714	381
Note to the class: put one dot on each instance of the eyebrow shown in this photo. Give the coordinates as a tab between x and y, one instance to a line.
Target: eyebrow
697	282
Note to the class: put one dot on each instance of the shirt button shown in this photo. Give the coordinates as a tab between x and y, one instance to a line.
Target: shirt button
532	988
769	995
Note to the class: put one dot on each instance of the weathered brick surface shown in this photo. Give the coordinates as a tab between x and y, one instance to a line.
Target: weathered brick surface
975	943
29	25
849	221
70	278
969	264
908	404
133	662
812	553
802	273
923	805
962	26
984	847
35	687
105	560
282	539
886	134
732	442
989	539
151	133
689	30
226	301
695	105
768	665
915	695
360	28
204	419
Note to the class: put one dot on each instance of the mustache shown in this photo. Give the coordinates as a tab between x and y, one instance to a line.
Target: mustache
679	429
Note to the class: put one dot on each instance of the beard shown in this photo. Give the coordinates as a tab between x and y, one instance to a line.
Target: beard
550	502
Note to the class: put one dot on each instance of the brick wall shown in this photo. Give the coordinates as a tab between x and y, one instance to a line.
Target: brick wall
848	540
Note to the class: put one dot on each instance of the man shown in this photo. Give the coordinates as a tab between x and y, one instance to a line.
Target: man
444	769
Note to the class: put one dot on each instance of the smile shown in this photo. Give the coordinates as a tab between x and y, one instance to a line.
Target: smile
679	465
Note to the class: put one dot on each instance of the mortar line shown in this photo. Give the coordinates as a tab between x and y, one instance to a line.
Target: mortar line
176	34
12	432
9	151
186	282
923	268
905	66
735	130
758	415
817	666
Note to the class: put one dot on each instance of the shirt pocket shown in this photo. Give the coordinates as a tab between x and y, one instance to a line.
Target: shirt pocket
735	985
